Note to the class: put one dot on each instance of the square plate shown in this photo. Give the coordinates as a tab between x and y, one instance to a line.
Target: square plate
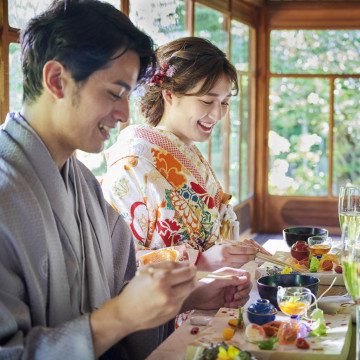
334	345
325	277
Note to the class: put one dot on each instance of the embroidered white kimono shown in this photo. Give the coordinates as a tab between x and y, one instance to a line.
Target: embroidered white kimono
165	190
63	253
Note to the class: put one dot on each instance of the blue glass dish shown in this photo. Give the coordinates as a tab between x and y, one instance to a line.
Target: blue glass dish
261	312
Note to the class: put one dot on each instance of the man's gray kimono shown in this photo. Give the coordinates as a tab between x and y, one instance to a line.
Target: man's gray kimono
63	253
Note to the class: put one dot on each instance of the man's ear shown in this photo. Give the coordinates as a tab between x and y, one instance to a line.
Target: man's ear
167	96
55	78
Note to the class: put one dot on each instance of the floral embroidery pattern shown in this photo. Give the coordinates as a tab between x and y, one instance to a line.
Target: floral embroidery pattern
169	167
208	200
184	212
139	223
165	190
121	188
168	231
131	161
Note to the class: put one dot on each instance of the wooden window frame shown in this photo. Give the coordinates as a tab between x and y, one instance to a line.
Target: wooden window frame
278	212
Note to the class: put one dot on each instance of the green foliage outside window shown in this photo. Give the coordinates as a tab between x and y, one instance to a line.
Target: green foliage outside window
346	133
209	24
300	111
15	78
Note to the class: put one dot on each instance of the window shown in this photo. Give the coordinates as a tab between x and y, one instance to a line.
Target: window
314	111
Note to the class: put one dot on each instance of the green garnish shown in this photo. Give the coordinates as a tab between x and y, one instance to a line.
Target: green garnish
269	344
314	265
240	323
320	328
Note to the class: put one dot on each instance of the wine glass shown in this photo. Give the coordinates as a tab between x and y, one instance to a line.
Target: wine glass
349	211
294	300
350	259
319	244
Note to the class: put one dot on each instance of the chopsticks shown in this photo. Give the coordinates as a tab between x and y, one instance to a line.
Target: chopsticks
199	274
208	274
275	261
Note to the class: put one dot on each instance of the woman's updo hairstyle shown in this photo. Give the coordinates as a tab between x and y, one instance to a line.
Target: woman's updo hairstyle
181	64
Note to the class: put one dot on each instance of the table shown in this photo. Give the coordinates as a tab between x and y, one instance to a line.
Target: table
173	348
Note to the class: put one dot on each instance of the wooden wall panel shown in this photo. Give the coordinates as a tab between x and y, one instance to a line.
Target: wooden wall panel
314	16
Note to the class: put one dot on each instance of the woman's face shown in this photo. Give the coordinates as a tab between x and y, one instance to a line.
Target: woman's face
192	118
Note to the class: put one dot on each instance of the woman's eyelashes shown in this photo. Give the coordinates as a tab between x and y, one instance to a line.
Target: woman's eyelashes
119	95
224	103
115	96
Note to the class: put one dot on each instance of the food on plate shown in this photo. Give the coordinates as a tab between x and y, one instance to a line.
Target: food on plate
268	344
160	255
301	343
194	330
271	328
224	351
286	270
300	250
233	323
289	331
255	333
314	265
338	269
228	333
327	265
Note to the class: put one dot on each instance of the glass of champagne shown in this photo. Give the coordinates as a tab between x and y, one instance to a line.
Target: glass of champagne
294	300
350	259
349	211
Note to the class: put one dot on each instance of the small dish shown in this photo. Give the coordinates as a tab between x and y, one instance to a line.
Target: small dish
261	312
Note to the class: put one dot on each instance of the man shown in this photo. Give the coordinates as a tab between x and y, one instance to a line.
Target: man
65	255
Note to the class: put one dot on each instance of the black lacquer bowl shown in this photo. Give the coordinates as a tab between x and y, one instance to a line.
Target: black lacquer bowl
293	234
268	285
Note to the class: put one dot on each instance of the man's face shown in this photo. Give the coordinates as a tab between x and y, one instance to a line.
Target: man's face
93	109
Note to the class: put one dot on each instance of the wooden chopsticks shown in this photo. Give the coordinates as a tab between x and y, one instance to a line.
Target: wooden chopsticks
275	261
199	274
212	275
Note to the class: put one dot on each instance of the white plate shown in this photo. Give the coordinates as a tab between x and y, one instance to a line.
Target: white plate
325	277
334	345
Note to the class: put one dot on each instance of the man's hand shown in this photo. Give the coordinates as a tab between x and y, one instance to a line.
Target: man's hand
151	298
216	293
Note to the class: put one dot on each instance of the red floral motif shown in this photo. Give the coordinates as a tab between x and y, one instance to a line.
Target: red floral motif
136	211
167	229
208	200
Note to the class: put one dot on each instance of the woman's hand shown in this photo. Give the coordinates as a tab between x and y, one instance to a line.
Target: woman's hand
151	298
216	293
252	242
233	255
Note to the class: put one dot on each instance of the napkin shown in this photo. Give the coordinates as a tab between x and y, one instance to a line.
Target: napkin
338	304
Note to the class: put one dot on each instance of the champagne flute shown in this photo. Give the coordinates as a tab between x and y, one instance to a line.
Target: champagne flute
349	211
350	259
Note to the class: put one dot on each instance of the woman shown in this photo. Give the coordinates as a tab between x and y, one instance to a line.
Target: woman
157	178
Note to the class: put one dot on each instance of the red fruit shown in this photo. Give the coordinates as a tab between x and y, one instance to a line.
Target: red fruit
338	269
304	261
327	265
301	343
194	330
